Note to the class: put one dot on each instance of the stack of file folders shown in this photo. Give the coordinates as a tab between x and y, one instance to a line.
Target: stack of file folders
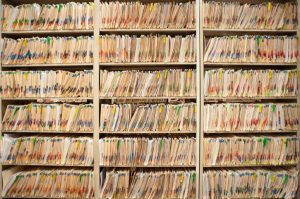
174	82
50	184
69	16
148	184
234	15
259	150
251	117
250	83
252	48
48	117
147	151
47	150
150	117
47	50
140	15
46	83
147	48
258	183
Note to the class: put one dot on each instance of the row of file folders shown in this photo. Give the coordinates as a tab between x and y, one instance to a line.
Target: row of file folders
250	183
112	48
137	15
113	183
236	15
152	117
123	117
59	83
139	151
160	83
145	151
149	48
116	14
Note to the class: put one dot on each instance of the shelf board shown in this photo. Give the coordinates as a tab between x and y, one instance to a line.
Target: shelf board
45	165
220	32
21	196
146	132
149	64
248	165
147	98
45	65
148	166
247	64
249	132
47	32
45	132
250	99
47	98
152	30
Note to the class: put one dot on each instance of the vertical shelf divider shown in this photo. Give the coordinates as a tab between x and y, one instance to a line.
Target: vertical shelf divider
96	121
1	180
199	99
298	97
200	103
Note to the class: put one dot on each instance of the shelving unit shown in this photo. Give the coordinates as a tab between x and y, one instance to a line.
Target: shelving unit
96	99
208	33
149	99
47	66
200	66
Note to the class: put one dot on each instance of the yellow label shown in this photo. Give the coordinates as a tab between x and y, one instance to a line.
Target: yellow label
254	177
25	42
181	179
271	74
260	108
221	74
53	175
164	39
29	107
26	75
92	6
115	109
158	74
99	40
195	108
190	74
273	179
151	7
166	73
161	108
269	6
77	110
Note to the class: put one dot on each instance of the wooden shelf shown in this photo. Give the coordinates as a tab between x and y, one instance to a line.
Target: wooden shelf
250	132
152	31
47	32
248	99
223	32
45	65
47	98
148	64
146	132
148	166
45	132
147	98
224	64
45	165
40	197
249	165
